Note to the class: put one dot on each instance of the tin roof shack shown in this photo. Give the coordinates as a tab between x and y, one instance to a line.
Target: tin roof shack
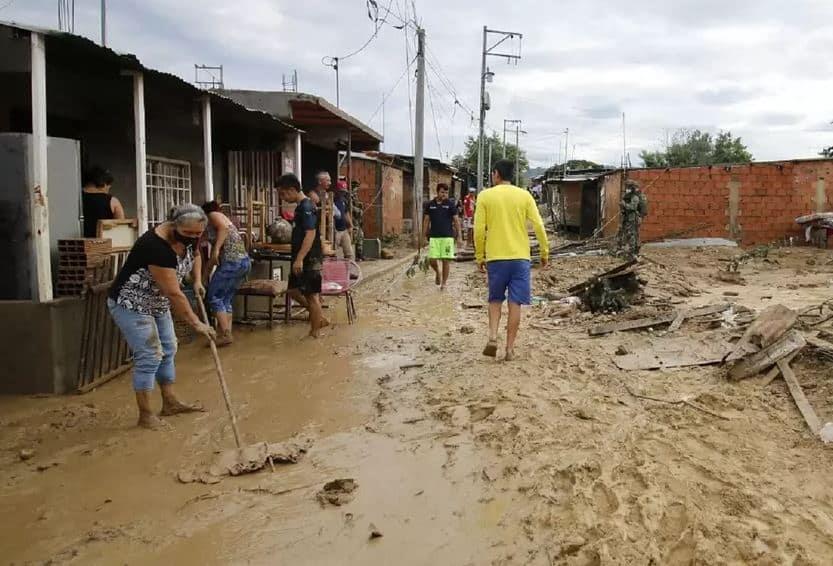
67	103
577	201
327	130
381	189
754	203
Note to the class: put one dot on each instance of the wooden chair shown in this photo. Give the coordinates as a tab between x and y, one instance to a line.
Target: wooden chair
261	288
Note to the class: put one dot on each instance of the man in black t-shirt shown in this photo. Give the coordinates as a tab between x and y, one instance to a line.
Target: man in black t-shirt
441	226
305	279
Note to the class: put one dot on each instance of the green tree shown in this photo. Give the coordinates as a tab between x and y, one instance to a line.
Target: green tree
827	152
468	159
693	147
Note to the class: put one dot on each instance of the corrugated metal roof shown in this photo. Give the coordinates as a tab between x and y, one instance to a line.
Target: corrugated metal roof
130	62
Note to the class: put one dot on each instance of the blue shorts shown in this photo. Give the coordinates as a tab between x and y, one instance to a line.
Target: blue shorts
511	274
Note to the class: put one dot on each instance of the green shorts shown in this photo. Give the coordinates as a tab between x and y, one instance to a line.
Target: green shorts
441	248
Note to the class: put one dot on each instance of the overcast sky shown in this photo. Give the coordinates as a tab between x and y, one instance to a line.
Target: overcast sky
760	68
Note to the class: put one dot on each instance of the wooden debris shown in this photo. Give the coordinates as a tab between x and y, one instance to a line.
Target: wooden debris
674	352
603	329
393	305
678	321
768	327
800	399
685	402
410	366
755	363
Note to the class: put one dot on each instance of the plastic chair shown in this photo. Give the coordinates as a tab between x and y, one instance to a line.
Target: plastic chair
338	277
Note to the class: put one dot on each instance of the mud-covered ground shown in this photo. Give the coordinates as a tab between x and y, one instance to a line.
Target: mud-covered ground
545	460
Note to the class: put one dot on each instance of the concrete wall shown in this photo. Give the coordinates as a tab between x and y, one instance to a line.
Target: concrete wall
753	204
42	351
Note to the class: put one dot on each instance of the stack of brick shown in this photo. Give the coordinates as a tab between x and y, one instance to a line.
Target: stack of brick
81	261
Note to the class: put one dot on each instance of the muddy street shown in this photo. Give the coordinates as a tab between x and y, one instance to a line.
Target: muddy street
455	458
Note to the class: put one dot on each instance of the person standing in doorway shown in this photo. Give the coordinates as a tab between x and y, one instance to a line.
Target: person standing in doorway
140	300
343	220
97	202
502	250
229	255
441	225
307	256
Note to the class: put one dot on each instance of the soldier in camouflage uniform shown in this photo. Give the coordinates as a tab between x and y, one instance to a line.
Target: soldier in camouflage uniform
357	210
632	209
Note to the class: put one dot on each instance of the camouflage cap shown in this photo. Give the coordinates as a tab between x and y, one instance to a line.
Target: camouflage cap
631	184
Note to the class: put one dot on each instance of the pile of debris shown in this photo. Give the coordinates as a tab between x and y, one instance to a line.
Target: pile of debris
771	342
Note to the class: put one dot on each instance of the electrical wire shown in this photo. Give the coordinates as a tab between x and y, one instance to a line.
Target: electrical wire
390	92
410	102
434	116
378	23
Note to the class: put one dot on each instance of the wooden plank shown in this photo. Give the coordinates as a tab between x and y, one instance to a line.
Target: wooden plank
800	399
649	322
678	321
755	363
675	352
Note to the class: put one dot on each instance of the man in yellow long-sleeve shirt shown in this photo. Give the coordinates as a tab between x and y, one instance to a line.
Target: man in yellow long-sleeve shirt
501	248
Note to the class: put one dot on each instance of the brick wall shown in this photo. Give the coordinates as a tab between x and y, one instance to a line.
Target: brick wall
753	204
383	210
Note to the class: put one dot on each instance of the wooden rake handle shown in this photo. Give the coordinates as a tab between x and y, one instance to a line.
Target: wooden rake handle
221	376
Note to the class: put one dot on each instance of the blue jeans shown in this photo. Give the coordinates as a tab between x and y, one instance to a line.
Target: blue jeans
224	284
153	342
512	275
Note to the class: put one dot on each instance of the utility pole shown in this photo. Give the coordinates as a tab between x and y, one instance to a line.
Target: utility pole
505	121
489	168
419	131
328	61
104	23
517	153
566	149
383	121
487	75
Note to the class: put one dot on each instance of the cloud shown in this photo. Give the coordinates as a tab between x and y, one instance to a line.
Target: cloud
760	68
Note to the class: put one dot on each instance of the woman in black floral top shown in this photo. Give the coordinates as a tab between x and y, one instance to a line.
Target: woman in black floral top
140	302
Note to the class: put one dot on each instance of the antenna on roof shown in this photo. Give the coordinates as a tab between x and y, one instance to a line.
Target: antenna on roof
207	77
66	15
290	84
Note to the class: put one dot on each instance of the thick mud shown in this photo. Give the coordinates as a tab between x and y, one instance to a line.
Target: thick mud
463	460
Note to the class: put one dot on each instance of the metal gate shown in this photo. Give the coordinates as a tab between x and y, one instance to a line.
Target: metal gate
104	352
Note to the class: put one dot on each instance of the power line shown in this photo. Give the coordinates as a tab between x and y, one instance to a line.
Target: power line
378	24
410	102
390	92
434	115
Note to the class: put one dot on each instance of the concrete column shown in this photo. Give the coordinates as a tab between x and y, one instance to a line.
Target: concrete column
207	145
140	142
42	268
298	170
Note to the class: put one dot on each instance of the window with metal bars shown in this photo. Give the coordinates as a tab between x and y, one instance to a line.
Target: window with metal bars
168	185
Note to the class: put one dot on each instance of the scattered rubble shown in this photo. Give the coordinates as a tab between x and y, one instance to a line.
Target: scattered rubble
337	492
